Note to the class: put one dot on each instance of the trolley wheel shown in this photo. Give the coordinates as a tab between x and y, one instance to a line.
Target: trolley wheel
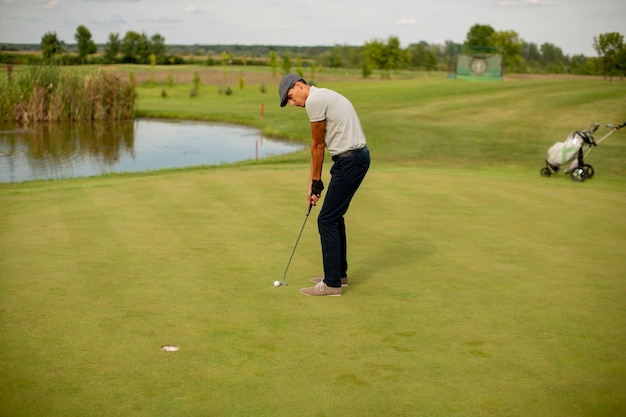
589	171
545	172
578	174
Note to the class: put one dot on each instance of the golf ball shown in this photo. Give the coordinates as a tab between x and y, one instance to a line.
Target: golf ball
277	283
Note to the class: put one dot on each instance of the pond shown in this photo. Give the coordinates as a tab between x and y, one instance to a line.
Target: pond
82	150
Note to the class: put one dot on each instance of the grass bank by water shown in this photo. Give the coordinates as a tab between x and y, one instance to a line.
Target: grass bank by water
431	120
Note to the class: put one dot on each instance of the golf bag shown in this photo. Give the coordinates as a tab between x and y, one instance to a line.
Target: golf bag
573	151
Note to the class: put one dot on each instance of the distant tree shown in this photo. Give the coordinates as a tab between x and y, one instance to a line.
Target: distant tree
135	48
143	49
353	56
273	63
532	55
374	56
621	61
422	56
286	64
431	59
334	57
511	46
415	53
342	56
612	53
157	47
394	53
312	76
384	56
196	80
580	64
479	37
225	59
299	66
86	46
552	58
50	46
112	48
130	47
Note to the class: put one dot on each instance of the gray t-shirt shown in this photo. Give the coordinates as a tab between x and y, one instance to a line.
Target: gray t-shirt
343	128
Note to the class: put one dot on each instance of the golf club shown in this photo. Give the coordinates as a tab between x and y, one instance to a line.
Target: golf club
284	281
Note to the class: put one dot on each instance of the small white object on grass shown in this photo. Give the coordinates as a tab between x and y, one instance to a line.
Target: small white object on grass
277	283
169	348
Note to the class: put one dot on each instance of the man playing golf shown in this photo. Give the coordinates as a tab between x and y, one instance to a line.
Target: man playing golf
336	126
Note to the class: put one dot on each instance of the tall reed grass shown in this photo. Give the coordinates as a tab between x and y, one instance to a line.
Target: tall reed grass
53	94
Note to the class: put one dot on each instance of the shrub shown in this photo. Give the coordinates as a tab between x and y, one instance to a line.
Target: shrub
48	94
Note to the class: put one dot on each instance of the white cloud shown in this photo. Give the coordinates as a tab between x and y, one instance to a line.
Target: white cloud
192	8
570	25
405	21
52	4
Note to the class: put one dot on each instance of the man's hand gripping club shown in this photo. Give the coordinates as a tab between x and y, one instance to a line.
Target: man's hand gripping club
315	191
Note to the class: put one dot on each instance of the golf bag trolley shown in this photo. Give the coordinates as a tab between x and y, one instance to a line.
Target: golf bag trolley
573	152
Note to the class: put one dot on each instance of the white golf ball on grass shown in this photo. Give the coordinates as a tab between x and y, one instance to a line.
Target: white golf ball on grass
277	283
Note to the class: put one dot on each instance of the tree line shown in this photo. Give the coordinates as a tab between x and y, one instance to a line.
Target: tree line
384	56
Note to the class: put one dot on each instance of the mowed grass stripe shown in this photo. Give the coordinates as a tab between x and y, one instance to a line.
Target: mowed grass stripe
454	279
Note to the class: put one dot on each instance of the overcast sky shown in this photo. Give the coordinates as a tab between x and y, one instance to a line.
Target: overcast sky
568	24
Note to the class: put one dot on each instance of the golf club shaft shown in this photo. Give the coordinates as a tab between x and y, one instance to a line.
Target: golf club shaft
297	240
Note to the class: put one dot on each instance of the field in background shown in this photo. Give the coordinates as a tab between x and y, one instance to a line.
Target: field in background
477	287
427	119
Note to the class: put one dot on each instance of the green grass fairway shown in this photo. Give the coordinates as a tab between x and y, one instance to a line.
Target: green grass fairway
477	287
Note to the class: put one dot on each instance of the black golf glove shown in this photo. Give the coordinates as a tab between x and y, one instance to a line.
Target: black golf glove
316	187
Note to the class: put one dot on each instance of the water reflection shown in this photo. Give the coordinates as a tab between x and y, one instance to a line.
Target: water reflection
63	150
86	149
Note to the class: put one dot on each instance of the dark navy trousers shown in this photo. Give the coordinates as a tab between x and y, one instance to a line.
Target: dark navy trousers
347	173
